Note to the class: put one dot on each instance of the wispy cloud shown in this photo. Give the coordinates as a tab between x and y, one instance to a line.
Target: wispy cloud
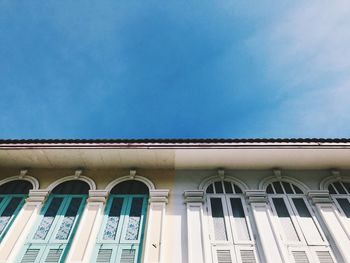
307	52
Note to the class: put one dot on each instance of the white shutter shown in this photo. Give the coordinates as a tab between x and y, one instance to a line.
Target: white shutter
247	256
324	257
30	256
53	256
224	256
127	256
104	255
300	257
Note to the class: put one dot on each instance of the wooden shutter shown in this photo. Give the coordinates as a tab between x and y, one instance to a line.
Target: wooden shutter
30	256
53	256
324	257
127	256
104	255
224	256
55	228
121	232
300	257
247	256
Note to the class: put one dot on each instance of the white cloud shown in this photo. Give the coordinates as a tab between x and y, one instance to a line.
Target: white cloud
308	54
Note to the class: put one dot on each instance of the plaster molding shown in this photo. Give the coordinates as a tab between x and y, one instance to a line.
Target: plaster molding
319	196
268	180
21	176
333	178
194	196
97	196
256	196
37	196
209	180
86	179
142	179
158	196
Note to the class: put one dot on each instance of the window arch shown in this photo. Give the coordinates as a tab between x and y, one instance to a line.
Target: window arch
121	235
55	228
295	223
231	235
12	198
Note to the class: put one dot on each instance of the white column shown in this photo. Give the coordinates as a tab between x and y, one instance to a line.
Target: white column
195	229
269	243
22	226
332	221
155	226
85	238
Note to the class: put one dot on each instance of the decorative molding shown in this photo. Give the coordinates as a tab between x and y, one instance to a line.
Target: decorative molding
22	176
209	180
268	180
37	196
86	179
256	196
132	174
97	196
278	173
319	196
221	173
194	196
336	176
158	196
78	173
142	179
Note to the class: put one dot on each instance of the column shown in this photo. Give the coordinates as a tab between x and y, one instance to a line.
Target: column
155	226
22	226
195	229
269	243
85	238
330	217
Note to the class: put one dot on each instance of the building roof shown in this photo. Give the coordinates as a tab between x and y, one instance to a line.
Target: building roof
177	141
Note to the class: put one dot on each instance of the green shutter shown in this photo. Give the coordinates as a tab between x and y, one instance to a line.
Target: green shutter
10	205
53	233
121	234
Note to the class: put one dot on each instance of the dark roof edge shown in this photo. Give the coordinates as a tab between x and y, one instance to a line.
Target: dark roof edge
173	141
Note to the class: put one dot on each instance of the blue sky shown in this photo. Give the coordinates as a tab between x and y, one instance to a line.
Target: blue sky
174	69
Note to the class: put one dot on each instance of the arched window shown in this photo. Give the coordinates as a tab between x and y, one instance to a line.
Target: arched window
340	193
231	236
121	234
296	225
53	233
12	196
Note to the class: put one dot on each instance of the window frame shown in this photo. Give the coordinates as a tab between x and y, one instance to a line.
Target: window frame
3	204
119	243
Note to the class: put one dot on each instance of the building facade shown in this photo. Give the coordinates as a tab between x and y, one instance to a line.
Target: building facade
187	201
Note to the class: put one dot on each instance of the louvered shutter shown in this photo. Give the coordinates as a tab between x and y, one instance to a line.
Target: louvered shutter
104	255
247	256
324	257
300	257
55	228
121	231
53	256
127	256
30	256
224	256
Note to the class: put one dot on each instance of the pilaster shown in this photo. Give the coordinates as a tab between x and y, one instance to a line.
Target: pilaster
332	220
260	210
22	226
195	229
84	240
155	225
